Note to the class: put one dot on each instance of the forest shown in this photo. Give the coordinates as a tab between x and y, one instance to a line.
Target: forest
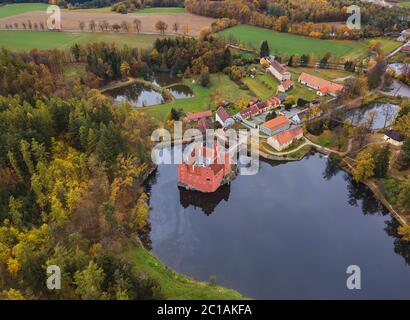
71	169
312	18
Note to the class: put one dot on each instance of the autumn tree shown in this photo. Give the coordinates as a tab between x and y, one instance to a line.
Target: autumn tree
161	26
364	167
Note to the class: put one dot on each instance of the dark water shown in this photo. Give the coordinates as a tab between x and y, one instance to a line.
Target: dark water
163	79
385	113
138	94
291	231
181	91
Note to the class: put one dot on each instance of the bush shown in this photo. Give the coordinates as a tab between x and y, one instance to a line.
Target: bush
204	79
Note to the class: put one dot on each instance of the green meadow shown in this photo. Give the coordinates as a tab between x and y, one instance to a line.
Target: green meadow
405	4
161	10
18	8
281	43
26	40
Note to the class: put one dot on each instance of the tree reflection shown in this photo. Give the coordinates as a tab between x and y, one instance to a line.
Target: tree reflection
401	247
206	201
332	167
360	195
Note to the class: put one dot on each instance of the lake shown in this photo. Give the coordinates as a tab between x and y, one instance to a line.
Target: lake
289	232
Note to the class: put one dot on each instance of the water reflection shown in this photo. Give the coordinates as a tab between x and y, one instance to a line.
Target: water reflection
376	115
181	91
206	201
138	94
288	232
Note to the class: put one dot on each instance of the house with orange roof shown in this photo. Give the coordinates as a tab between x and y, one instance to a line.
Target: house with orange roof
284	139
196	116
275	126
323	87
285	85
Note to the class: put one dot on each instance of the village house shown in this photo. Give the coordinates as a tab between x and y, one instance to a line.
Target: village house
394	137
405	49
323	87
196	116
279	71
405	34
223	117
285	85
284	139
275	126
248	112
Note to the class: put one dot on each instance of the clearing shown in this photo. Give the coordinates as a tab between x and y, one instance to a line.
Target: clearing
161	10
281	43
26	40
202	100
9	10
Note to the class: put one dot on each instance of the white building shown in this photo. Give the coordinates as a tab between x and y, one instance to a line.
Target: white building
223	117
279	71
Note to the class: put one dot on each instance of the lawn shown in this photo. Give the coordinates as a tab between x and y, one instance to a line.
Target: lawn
18	8
202	100
161	10
27	40
405	4
174	285
281	43
260	89
91	10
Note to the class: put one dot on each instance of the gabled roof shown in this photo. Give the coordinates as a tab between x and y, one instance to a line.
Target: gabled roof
250	111
288	135
320	83
287	84
198	115
223	114
279	67
274	101
277	123
405	48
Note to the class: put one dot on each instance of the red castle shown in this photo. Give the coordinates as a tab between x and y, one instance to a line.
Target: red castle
207	170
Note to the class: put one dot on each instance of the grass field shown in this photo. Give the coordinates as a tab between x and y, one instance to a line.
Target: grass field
91	10
18	8
280	43
176	286
27	40
161	10
202	100
405	4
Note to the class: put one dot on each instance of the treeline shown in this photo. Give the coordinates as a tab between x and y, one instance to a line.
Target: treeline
317	19
70	190
176	55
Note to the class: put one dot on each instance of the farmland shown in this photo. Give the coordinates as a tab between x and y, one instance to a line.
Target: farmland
161	10
27	40
71	20
19	8
281	43
405	4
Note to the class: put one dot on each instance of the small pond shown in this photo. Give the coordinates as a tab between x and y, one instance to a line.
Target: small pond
380	114
138	94
180	91
163	79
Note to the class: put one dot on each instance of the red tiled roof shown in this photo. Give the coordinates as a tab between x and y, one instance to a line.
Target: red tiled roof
222	114
198	115
405	48
287	84
252	110
274	100
288	135
277	123
320	83
279	67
